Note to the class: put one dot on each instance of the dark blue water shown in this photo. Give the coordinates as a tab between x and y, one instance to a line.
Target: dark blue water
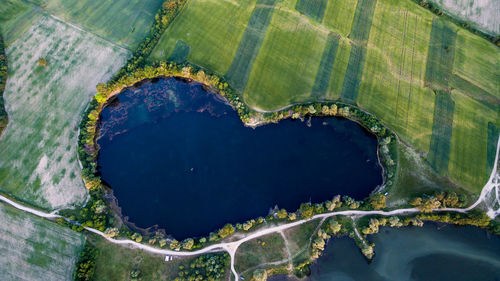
413	254
177	156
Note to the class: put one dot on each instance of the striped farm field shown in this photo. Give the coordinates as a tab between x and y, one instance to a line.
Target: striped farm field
392	58
211	29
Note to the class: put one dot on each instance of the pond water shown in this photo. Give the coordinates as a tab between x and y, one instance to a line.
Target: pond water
413	254
179	157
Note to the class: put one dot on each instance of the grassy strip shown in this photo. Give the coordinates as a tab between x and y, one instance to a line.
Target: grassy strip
325	69
354	73
463	23
4	119
250	44
441	54
362	23
491	148
314	9
439	151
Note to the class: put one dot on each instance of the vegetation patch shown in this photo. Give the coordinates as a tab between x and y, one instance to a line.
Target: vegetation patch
250	44
314	9
439	152
325	69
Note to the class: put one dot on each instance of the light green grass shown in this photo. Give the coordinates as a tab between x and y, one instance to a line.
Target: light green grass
38	148
468	158
285	68
339	15
392	86
35	249
256	252
125	22
212	29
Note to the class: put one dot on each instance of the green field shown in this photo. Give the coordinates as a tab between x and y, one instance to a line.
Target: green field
35	249
389	57
38	156
260	252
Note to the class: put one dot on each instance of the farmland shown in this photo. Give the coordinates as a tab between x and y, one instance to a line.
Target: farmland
394	59
38	160
42	249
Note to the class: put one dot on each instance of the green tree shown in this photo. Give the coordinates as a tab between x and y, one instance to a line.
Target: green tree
306	210
282	214
378	201
188	243
227	230
333	226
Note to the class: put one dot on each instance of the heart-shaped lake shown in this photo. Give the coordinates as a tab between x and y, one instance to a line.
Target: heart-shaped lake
178	156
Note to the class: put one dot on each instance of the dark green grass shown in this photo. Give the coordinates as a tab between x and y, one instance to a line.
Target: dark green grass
441	54
362	22
250	44
474	91
439	151
181	52
314	9
325	69
354	73
493	132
